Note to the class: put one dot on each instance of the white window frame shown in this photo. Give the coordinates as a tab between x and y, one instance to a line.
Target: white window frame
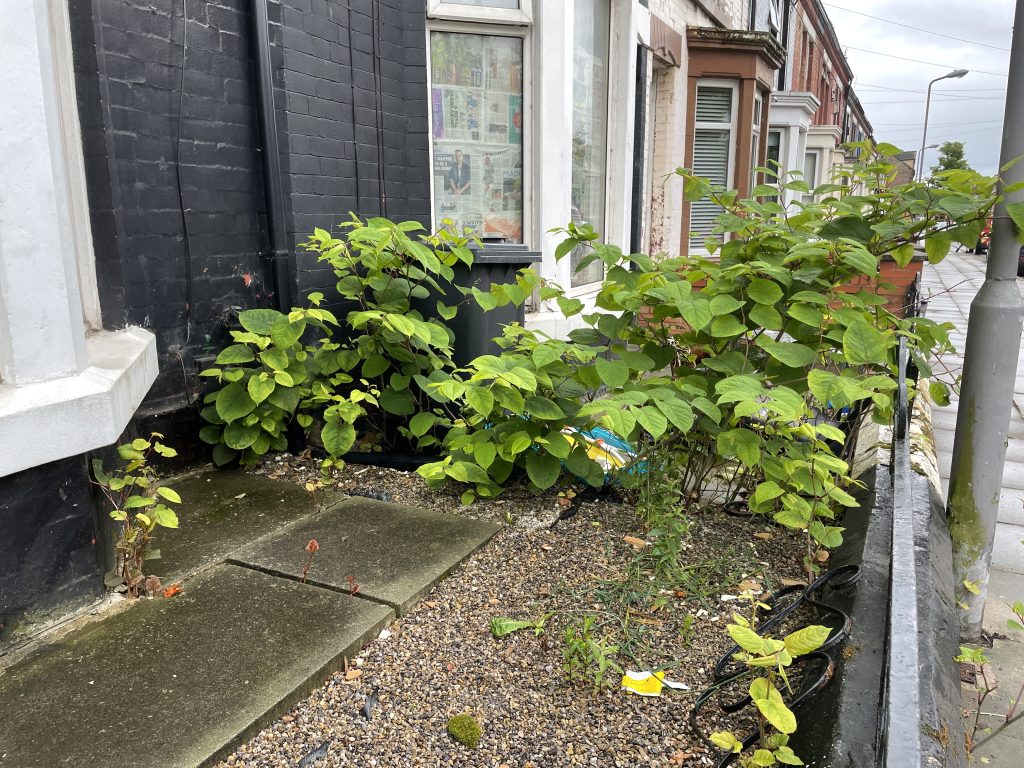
614	97
732	127
447	11
523	33
808	197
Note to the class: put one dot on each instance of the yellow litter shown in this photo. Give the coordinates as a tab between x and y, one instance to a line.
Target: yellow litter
649	683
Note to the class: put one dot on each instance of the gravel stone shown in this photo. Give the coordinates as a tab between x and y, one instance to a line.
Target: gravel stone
441	660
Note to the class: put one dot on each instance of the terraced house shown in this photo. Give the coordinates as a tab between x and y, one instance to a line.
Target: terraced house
161	163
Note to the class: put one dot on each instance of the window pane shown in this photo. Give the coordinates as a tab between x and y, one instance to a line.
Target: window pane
810	174
772	160
589	122
513	4
714	105
477	115
710	160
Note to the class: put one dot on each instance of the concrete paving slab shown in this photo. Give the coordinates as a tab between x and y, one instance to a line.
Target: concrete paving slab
1011	506
1013	475
943	418
223	510
394	553
1004	589
193	675
1008	548
944	443
1005	668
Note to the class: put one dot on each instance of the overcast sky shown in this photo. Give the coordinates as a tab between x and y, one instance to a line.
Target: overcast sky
892	90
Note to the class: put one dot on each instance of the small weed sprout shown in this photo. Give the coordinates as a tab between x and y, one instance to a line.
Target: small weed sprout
140	504
311	549
983	688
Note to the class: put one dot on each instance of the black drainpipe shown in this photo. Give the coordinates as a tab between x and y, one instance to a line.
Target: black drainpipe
273	189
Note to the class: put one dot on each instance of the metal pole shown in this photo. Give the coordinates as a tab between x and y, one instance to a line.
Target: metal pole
924	134
956	73
990	366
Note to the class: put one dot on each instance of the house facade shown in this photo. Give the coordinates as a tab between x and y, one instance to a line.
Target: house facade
815	109
161	164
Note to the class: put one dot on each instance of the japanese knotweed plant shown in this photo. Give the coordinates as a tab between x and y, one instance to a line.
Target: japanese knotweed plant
739	356
528	410
386	274
139	504
272	375
363	372
768	660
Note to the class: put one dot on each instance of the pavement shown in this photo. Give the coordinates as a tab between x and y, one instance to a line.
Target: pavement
250	635
950	286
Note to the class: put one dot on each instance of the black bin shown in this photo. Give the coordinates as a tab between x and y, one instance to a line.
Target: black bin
496	263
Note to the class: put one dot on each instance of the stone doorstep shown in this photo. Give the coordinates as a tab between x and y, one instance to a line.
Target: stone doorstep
180	682
419	549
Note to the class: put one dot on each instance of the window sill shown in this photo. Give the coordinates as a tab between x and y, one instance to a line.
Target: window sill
52	420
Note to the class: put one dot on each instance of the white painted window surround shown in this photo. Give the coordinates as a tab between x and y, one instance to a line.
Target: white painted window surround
65	387
547	30
714	150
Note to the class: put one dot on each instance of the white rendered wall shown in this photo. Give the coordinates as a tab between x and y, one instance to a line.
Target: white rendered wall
63	391
42	328
791	113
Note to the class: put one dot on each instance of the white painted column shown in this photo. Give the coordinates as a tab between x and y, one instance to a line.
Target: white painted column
621	122
42	333
552	134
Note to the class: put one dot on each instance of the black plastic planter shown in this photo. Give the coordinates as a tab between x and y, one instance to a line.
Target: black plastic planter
475	329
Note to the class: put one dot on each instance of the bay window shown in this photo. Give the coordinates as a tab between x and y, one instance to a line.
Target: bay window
477	130
713	143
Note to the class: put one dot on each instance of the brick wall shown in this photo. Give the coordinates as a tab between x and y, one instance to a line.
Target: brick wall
354	105
48	550
892	283
350	78
128	60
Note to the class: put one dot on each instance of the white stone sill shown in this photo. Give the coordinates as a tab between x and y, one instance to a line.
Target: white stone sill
51	420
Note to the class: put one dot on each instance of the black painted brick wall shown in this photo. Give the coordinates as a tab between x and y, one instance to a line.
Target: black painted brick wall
352	115
128	59
48	554
353	92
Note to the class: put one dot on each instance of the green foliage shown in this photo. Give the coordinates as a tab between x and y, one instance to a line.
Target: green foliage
271	376
501	627
768	659
587	658
369	375
951	158
465	729
140	504
736	363
360	373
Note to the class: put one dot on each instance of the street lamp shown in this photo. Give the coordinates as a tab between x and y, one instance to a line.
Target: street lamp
919	157
956	73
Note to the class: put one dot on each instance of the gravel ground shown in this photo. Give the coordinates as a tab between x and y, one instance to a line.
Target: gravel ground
441	660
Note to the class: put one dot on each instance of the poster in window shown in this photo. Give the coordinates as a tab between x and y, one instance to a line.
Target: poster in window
477	132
